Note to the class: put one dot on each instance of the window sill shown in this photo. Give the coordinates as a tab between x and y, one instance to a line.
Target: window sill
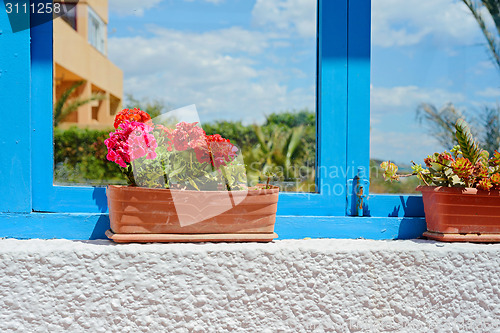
93	225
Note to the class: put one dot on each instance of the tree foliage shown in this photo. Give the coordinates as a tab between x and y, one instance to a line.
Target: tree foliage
153	107
292	118
441	123
490	122
80	157
285	146
241	135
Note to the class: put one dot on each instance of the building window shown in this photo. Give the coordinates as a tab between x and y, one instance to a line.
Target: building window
97	31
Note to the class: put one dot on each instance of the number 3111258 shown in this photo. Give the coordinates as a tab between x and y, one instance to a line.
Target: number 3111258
35	8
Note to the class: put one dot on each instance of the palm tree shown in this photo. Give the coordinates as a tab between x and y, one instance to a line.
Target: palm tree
490	140
65	106
281	152
492	38
441	123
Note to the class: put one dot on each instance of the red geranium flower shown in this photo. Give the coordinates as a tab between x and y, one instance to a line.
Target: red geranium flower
167	133
131	115
216	151
185	136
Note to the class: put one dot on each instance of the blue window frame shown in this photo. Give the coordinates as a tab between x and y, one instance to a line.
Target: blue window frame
40	209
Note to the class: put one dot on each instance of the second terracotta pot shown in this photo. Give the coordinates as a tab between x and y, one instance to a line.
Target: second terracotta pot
461	213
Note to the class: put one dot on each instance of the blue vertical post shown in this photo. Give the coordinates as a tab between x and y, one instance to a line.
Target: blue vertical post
332	103
358	118
15	133
42	92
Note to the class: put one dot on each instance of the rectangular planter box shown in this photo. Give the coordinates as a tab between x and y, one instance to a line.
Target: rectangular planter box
177	215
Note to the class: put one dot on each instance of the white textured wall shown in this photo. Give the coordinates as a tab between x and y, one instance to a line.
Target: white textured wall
285	286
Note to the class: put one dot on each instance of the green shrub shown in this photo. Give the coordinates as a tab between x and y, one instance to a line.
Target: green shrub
80	158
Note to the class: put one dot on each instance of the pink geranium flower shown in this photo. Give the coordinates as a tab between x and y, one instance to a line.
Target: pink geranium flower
132	140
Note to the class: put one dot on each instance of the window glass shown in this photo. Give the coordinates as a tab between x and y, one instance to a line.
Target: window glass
248	66
430	64
97	31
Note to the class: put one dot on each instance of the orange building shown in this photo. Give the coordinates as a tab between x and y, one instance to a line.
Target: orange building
80	53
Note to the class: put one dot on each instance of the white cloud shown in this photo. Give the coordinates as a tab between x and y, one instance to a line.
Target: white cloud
402	147
295	16
215	2
230	73
483	67
137	7
408	97
189	53
215	70
131	7
401	23
395	133
489	92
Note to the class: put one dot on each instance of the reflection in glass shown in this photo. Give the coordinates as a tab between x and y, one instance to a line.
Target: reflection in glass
430	66
248	66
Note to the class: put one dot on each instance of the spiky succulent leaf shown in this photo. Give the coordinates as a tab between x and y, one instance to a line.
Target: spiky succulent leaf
463	168
470	149
456	151
484	157
480	171
484	184
390	170
495	180
417	168
495	159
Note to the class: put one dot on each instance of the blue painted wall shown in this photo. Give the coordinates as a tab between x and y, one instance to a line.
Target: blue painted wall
15	134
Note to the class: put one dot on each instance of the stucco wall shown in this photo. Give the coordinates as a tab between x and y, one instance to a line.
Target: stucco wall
285	286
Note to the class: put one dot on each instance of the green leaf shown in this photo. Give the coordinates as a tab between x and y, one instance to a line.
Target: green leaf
470	149
484	157
242	177
63	106
192	182
295	140
177	171
58	106
261	138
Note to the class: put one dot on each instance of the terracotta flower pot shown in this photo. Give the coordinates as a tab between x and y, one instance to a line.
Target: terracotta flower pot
461	214
162	215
